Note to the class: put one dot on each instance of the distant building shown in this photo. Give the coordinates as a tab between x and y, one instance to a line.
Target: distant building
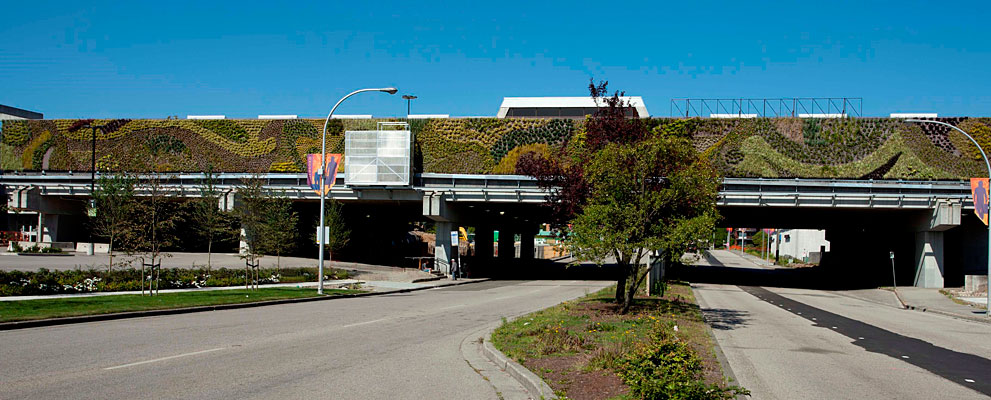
804	244
563	107
8	112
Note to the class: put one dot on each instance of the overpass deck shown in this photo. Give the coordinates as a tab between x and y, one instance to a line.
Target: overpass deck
734	192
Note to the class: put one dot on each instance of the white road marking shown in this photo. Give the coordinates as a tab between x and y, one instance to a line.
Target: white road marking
164	358
364	323
859	338
904	356
969	380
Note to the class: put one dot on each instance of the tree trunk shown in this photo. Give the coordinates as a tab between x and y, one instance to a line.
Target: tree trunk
110	267
247	277
621	284
634	287
209	252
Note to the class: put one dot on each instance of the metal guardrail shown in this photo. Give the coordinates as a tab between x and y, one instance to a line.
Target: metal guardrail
841	193
746	192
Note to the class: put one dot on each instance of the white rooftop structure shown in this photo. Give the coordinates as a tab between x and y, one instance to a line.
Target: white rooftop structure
428	116
277	116
562	107
914	115
351	116
205	117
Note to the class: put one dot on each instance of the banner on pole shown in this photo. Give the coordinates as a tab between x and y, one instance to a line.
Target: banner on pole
314	175
979	193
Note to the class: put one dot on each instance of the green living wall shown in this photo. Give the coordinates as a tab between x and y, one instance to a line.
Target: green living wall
872	148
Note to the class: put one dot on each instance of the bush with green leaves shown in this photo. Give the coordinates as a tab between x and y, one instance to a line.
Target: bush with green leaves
667	368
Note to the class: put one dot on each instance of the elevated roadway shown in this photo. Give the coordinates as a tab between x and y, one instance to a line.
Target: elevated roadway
863	217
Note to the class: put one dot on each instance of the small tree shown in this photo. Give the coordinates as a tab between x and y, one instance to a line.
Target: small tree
338	234
153	226
280	231
214	222
113	197
251	210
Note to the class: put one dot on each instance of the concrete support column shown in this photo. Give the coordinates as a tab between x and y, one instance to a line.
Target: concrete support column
41	228
929	259
442	247
483	242
507	243
526	244
49	228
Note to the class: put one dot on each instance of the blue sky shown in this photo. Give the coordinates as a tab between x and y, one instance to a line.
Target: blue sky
241	59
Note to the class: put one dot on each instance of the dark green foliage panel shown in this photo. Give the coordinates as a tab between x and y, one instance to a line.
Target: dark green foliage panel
861	148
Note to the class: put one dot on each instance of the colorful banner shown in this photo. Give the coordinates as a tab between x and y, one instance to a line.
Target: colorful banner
979	193
329	175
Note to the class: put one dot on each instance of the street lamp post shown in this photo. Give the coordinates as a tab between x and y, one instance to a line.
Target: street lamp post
986	164
92	185
409	99
323	178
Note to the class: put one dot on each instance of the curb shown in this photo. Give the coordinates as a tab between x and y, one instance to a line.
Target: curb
5	326
435	278
907	306
530	381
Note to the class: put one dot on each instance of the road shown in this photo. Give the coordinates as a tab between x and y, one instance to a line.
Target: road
816	344
392	346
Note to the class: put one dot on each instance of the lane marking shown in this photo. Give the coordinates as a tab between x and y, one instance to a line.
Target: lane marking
904	356
969	380
164	358
364	323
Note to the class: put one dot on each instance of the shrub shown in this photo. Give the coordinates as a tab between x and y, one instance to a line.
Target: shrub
670	369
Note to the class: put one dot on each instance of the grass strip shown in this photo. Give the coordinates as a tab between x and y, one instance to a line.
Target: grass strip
584	348
23	310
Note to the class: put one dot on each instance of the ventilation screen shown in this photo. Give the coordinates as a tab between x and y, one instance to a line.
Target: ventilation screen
377	158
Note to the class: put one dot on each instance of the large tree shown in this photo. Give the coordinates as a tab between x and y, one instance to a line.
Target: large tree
620	190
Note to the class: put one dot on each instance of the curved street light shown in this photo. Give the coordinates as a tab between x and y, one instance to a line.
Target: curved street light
986	164
323	178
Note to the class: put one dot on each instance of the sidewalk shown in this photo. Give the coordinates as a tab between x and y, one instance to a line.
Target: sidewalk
735	259
373	286
931	300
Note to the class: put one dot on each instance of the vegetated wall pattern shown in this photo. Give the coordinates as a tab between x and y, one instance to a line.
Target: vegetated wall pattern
861	148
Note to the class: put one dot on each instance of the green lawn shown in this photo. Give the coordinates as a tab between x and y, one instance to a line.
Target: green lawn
70	307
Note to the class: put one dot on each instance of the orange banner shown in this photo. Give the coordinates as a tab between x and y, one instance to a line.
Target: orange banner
979	193
314	175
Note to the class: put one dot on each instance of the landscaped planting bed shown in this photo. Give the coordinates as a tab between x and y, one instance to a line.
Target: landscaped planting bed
584	349
46	282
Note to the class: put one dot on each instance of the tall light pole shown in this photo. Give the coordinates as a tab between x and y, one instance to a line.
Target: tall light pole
409	99
92	185
323	176
986	164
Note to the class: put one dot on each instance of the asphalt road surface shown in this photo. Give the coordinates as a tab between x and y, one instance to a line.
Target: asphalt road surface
393	346
811	344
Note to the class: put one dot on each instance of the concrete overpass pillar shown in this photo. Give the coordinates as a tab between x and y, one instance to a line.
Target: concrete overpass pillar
929	259
526	244
442	247
507	243
483	242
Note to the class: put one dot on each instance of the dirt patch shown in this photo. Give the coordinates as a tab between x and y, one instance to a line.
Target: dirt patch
566	374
